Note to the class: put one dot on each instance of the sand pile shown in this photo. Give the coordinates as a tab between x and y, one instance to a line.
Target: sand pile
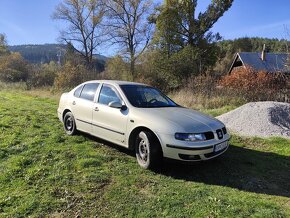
262	119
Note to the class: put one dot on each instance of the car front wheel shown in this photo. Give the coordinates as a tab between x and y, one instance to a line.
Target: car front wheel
69	124
148	150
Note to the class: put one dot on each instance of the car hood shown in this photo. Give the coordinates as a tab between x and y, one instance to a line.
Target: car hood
184	119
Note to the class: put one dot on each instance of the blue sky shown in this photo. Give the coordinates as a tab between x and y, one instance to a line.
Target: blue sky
29	21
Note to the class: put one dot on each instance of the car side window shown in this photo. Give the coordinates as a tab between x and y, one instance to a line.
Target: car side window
78	91
108	94
89	91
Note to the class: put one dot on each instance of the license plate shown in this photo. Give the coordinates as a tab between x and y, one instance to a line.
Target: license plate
220	146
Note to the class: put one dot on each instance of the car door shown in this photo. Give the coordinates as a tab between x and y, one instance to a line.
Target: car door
109	123
82	106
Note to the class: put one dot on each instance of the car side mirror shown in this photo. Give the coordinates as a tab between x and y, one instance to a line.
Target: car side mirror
117	104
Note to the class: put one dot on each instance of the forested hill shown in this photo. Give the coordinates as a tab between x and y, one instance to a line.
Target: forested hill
254	44
45	53
39	54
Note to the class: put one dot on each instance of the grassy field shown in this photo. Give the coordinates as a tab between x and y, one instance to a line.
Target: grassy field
44	173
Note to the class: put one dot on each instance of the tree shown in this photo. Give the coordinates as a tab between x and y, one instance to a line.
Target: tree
84	18
185	37
129	28
181	27
3	44
13	68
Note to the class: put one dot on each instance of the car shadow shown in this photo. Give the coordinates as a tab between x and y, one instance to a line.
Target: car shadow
241	168
107	143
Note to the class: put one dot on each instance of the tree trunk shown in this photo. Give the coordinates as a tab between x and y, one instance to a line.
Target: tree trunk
132	67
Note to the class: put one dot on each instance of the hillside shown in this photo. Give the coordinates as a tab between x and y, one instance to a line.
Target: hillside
37	54
254	44
45	53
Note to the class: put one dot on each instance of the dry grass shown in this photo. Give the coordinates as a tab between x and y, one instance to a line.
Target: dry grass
43	92
198	101
13	86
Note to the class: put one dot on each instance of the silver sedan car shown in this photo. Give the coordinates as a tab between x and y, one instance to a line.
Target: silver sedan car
141	118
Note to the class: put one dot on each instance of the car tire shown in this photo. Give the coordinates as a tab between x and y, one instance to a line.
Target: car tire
148	150
69	124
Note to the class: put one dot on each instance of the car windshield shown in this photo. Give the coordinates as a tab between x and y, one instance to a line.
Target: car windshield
146	97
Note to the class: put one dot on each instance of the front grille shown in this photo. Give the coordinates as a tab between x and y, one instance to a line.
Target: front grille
192	148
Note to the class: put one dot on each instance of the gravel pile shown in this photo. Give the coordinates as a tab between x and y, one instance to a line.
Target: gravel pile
262	119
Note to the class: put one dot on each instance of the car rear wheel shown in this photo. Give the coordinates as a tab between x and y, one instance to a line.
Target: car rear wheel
69	124
148	150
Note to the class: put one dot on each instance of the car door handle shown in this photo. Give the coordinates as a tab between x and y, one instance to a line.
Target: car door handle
74	103
96	109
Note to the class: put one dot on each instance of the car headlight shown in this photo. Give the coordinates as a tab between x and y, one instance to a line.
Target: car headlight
190	136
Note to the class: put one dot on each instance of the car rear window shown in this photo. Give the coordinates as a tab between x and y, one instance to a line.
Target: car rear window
89	91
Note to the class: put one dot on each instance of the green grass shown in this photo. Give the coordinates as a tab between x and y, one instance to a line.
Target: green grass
219	111
44	173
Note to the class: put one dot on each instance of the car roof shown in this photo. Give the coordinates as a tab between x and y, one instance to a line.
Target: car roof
116	82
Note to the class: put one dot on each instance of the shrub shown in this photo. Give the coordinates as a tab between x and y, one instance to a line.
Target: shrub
255	85
203	84
71	75
43	75
13	68
117	69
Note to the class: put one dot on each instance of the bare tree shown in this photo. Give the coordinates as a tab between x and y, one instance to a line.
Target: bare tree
84	18
129	28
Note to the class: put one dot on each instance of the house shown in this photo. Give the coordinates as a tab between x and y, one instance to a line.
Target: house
262	61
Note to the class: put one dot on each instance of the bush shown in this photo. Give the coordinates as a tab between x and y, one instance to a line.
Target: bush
203	84
43	75
13	68
117	69
255	86
71	75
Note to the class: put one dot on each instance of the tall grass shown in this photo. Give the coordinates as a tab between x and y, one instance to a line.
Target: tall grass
213	105
13	86
198	101
43	92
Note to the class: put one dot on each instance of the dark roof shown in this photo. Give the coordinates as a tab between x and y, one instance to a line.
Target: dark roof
272	63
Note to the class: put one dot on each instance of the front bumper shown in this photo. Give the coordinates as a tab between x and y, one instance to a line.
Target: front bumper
192	151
